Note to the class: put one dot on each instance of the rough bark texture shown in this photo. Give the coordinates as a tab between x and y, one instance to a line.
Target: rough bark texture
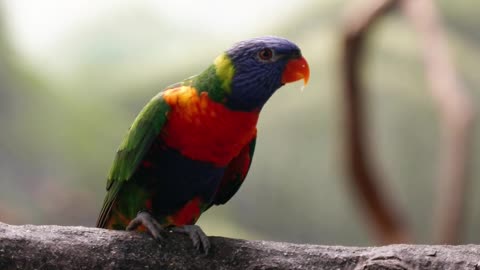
56	247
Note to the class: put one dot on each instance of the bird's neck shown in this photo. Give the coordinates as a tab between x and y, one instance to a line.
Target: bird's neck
216	80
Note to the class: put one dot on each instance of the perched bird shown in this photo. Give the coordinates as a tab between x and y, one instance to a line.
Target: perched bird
192	145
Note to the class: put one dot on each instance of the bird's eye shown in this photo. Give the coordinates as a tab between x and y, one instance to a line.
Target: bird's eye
265	54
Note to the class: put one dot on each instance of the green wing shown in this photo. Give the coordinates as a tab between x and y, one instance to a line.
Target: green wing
132	150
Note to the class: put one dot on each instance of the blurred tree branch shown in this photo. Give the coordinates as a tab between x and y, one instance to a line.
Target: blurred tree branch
55	247
457	122
388	221
457	119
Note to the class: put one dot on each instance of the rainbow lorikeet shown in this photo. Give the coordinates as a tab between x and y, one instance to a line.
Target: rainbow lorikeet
192	145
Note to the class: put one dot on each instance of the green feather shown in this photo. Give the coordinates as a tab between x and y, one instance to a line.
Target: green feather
225	70
133	148
216	79
141	134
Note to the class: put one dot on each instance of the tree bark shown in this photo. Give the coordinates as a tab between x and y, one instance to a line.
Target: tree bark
57	247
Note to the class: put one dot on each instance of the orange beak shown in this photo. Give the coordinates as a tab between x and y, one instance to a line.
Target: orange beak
296	69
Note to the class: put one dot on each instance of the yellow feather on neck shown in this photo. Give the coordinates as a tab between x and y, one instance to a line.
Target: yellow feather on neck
225	70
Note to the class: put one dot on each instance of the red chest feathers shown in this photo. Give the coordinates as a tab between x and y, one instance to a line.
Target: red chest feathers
204	130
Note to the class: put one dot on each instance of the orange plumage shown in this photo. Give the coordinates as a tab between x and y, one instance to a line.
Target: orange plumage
206	130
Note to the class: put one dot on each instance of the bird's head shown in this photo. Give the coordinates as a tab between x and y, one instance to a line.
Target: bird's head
252	70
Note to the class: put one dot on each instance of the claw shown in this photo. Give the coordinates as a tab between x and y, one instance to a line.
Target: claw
198	237
152	225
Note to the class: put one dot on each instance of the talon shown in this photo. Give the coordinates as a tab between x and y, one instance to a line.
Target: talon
147	220
199	238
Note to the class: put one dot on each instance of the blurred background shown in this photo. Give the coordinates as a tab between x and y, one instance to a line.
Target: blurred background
74	74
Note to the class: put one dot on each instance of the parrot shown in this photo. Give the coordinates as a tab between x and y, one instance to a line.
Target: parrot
192	144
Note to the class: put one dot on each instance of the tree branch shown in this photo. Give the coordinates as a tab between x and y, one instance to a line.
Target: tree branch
389	222
457	113
55	247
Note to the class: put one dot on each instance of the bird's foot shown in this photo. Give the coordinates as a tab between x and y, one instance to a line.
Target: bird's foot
149	222
198	237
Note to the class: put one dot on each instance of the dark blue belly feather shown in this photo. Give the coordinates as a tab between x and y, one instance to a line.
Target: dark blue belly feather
174	179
